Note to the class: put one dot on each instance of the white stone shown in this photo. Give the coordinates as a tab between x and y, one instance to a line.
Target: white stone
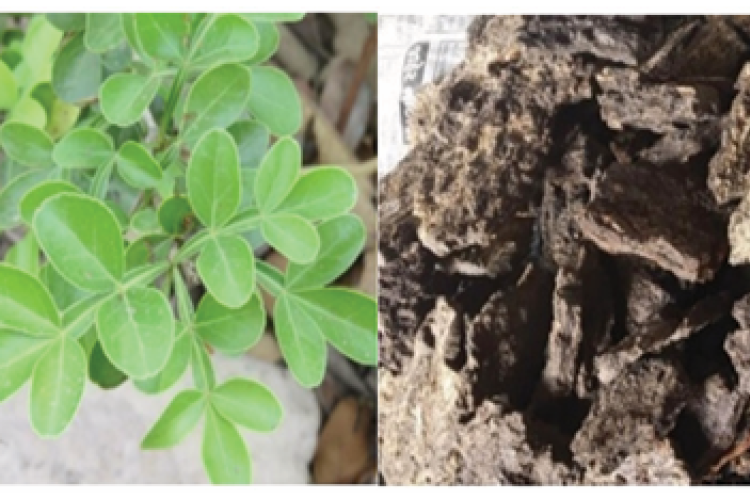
102	444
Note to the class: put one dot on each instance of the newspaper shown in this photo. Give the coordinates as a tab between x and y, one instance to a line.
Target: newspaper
412	51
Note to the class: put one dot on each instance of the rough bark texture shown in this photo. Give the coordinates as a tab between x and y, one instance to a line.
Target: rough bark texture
560	295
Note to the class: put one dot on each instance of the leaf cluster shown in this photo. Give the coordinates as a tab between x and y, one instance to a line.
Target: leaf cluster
137	155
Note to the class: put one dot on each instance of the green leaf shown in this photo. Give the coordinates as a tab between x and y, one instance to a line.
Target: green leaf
176	216
321	193
62	118
11	195
25	304
82	239
173	370
145	221
134	40
301	341
44	95
342	239
228	38
278	172
251	138
348	319
275	101
24	255
137	167
216	99
247	403
231	331
103	31
248	187
28	111
225	455
185	309
57	387
79	318
67	21
213	178
38	46
18	356
227	268
147	249
161	36
274	18
118	58
292	236
101	370
136	330
83	148
268	44
76	73
26	144
270	278
177	421
203	371
8	87
125	97
100	184
63	292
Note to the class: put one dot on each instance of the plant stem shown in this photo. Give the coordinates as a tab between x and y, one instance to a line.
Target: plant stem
174	95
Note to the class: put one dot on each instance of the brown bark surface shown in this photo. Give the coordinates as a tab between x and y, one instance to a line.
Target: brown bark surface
563	296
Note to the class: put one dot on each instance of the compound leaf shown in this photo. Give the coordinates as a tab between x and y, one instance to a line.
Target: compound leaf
341	242
25	304
57	387
136	330
125	97
274	101
213	178
26	144
82	239
278	172
292	236
247	403
229	330
225	455
177	420
227	268
320	194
